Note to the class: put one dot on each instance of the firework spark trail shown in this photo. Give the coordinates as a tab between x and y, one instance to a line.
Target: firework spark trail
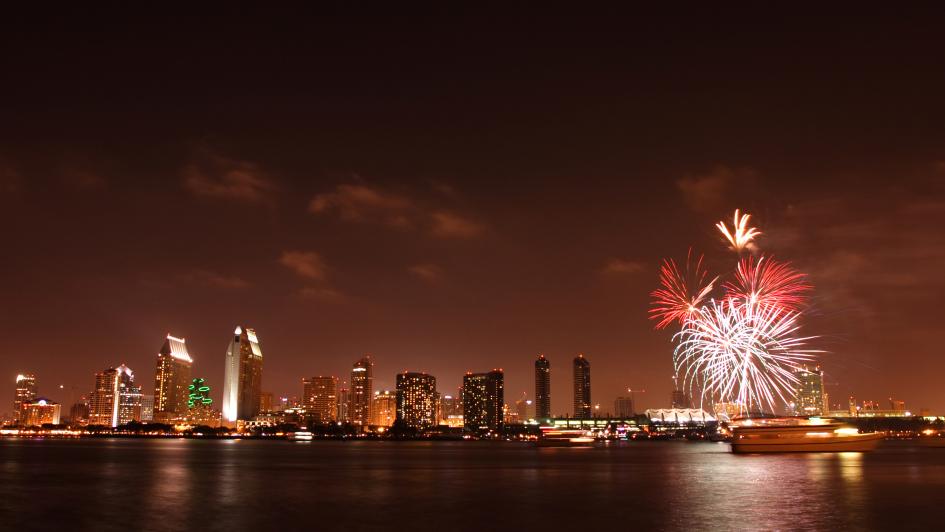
682	293
741	235
743	353
767	282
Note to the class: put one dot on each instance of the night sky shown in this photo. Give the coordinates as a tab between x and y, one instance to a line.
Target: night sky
459	193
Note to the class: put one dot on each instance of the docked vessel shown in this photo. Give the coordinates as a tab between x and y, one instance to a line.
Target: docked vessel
791	435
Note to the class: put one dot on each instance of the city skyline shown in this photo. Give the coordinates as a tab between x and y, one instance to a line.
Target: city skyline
465	205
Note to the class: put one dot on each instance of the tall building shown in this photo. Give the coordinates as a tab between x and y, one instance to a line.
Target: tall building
79	413
483	398
147	408
623	407
362	391
242	379
809	392
582	387
200	409
344	403
265	402
416	400
116	400
451	411
542	388
25	394
320	397
523	410
171	380
384	408
41	411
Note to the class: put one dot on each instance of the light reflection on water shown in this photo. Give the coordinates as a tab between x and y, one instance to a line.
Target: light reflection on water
237	485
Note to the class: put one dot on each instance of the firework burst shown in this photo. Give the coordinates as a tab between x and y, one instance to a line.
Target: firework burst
744	347
741	236
681	292
766	282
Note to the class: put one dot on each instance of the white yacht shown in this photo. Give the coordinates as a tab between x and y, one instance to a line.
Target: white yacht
786	435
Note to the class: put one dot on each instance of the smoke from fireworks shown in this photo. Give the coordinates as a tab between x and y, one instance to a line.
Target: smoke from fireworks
742	348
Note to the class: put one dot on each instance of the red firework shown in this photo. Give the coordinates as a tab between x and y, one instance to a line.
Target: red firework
769	283
681	292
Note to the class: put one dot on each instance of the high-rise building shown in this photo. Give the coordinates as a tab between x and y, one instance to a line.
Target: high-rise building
171	379
809	392
416	400
362	391
384	408
25	394
116	400
451	410
524	410
200	409
147	408
320	397
242	380
39	412
582	387
344	404
623	407
79	413
542	388
265	402
483	398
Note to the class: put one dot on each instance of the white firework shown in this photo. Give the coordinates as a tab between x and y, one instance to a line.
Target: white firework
742	353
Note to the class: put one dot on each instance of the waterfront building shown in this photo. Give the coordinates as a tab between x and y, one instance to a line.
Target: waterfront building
384	408
582	387
25	394
524	410
39	412
416	400
265	402
200	409
344	403
809	392
242	380
361	391
79	413
623	407
116	400
451	410
483	399
542	388
320	398
171	380
147	408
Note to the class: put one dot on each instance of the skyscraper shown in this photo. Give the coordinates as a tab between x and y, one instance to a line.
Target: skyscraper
242	380
542	388
39	412
384	408
171	379
320	397
416	400
483	398
25	394
623	407
582	387
344	404
362	391
451	410
809	392
116	400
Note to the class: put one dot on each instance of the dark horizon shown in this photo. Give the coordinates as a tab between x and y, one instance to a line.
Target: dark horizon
457	194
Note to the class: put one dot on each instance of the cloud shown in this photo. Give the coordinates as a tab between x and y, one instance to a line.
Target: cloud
305	264
84	180
362	203
220	177
622	267
450	225
427	272
709	193
216	280
369	204
320	293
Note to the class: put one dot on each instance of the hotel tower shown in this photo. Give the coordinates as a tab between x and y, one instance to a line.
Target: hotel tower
242	376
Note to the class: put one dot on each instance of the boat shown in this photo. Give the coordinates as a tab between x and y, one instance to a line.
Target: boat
931	438
792	435
302	435
553	437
